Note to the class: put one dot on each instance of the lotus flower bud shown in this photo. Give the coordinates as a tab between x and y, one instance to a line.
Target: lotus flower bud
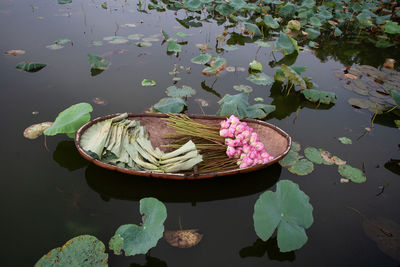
265	155
249	161
230	151
233	120
253	138
240	137
246	133
259	146
229	142
243	165
240	127
225	124
253	154
224	132
246	149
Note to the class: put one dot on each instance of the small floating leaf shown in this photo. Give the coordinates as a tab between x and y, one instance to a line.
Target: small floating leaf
62	41
290	159
260	79
104	5
255	66
135	37
271	22
116	39
54	46
328	158
289	210
170	105
98	62
313	154
185	91
396	96
259	99
62	2
302	167
69	120
134	239
285	44
182	35
392	27
36	130
354	174
183	238
172	46
253	29
345	140
84	250
146	82
143	44
262	43
317	96
30	66
230	47
243	88
295	146
203	58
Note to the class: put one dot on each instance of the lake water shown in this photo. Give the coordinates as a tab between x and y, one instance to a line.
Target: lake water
48	197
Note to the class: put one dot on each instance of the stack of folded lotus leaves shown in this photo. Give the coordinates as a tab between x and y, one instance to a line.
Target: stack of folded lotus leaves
124	143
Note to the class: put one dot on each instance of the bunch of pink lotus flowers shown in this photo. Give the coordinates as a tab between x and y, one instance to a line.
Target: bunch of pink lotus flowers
243	143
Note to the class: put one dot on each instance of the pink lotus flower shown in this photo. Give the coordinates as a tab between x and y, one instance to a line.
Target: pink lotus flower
224	132
259	146
225	124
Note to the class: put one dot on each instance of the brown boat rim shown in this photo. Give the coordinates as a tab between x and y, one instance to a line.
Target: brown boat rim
178	176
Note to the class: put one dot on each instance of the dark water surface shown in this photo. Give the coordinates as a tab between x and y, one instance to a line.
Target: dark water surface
48	197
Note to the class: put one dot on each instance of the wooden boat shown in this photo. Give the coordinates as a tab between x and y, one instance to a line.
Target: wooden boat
276	141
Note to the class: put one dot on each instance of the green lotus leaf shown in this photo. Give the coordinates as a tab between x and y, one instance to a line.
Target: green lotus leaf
317	96
255	66
116	39
209	71
315	22
337	32
271	22
172	46
364	19
182	35
146	82
289	210
243	88
164	35
260	79
30	66
354	174
104	5
279	76
84	250
170	105
143	44
54	46
62	41
299	69
288	10
309	4
230	47
295	146
135	37
218	63
285	44
312	44
396	96
313	33
203	58
185	91
259	111
293	76
98	62
97	43
262	43
193	5
237	4
397	122
253	29
392	27
290	159
302	167
63	2
134	239
294	25
314	155
70	120
234	105
345	140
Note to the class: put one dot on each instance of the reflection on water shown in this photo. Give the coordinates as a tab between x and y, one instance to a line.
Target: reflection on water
110	184
68	157
151	262
270	246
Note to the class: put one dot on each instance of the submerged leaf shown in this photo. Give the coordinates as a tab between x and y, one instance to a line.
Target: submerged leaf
185	91
289	210
170	105
84	250
36	130
54	46
354	174
243	88
30	66
15	52
71	119
183	238
134	239
386	234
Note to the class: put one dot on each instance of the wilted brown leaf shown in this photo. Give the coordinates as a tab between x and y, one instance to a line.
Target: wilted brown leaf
183	238
15	52
36	130
350	76
332	159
